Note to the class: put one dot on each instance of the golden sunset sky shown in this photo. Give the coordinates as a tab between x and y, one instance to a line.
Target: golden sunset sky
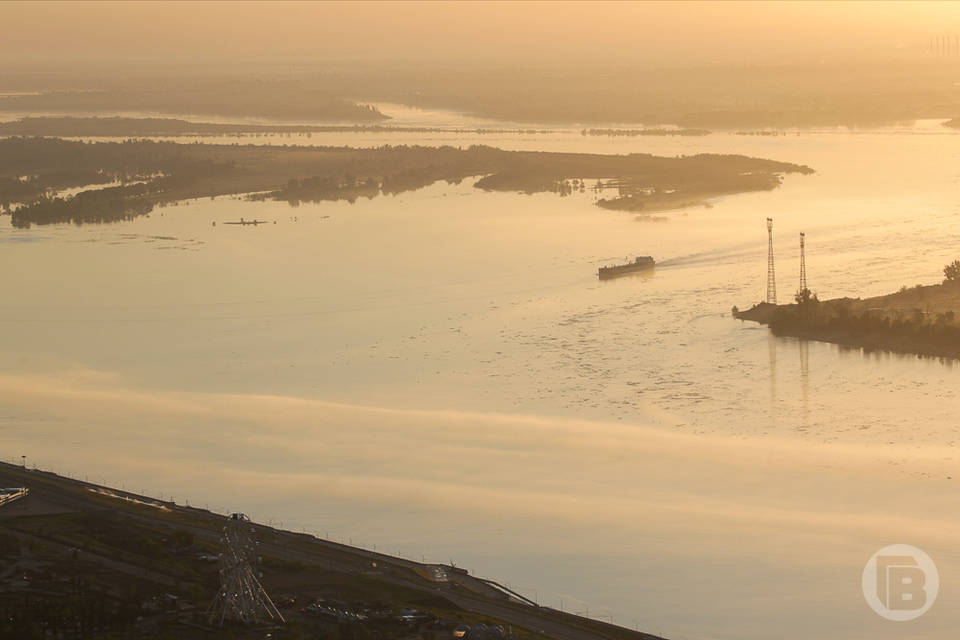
646	33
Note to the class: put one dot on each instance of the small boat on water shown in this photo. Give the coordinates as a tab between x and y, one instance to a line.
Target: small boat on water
245	222
641	263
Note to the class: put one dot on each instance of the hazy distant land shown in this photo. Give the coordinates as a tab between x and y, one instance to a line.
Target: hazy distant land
116	126
657	131
759	94
209	99
753	96
920	320
161	172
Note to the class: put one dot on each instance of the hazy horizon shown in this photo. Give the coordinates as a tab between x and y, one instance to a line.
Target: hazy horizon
654	34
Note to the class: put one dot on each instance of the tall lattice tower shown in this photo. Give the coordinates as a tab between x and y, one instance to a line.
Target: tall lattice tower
241	598
771	277
803	263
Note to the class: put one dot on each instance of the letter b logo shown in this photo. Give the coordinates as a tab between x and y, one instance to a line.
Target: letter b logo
900	582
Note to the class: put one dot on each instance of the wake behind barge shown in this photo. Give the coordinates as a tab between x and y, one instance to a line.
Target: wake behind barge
641	263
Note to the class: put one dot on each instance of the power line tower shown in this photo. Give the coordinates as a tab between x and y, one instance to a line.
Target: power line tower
803	263
241	598
771	278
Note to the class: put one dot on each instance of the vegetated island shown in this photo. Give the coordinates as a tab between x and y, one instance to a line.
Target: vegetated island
156	173
921	320
87	561
117	126
209	99
655	131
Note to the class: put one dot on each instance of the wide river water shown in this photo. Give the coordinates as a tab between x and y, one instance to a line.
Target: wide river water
441	375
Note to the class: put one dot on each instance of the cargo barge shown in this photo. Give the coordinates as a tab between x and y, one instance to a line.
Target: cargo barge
641	263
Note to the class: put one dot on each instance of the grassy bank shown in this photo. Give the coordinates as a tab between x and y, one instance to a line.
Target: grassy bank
85	561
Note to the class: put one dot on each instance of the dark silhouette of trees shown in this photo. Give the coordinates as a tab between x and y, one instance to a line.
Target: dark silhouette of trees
168	172
102	205
952	271
846	321
805	297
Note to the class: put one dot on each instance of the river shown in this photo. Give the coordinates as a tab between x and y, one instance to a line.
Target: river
440	374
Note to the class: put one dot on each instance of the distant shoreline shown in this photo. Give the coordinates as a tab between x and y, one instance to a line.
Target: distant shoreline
69	126
209	101
117	126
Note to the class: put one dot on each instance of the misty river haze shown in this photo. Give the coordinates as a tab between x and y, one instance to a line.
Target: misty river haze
297	260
